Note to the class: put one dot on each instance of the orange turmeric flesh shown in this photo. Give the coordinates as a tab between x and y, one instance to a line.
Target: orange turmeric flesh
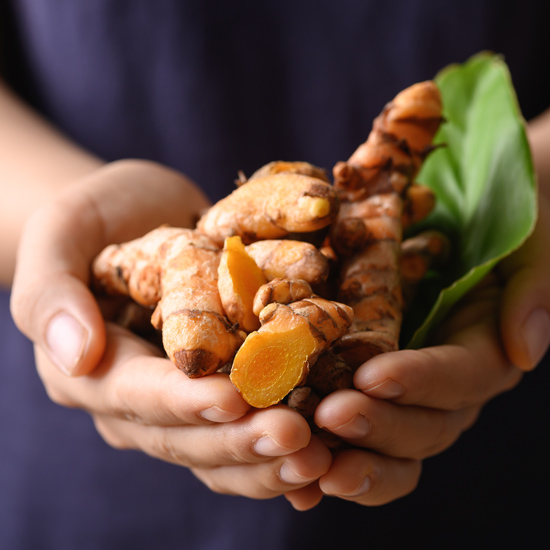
277	358
272	364
239	278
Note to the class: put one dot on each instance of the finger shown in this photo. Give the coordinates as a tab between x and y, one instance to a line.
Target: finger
51	302
394	430
370	479
525	313
306	497
133	381
273	478
467	371
256	438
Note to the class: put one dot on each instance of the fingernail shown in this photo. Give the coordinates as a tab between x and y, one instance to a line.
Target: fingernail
363	488
267	446
66	340
388	389
536	331
215	414
357	427
288	475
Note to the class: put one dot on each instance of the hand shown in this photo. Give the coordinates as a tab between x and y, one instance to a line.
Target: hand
137	398
413	404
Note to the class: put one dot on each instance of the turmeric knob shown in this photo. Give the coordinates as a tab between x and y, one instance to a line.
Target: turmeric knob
277	358
289	259
271	207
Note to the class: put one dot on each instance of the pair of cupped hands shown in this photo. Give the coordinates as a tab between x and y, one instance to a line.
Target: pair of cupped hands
407	405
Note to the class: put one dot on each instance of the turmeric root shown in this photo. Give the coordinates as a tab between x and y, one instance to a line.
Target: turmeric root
289	259
352	232
267	279
328	374
176	270
276	358
281	291
419	202
271	207
373	186
399	142
296	167
239	279
304	400
419	254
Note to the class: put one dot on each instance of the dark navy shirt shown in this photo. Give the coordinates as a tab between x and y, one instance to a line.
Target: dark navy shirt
211	88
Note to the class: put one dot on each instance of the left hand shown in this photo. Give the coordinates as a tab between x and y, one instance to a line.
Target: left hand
412	404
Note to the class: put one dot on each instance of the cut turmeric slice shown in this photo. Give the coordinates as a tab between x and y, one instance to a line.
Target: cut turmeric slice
272	364
239	278
277	358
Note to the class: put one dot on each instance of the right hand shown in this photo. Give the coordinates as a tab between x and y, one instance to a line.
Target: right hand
137	398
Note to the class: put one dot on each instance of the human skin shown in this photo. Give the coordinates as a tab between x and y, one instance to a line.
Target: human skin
88	363
413	404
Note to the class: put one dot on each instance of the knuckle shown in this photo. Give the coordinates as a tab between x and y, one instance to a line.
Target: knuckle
450	425
444	433
164	446
117	399
235	454
385	439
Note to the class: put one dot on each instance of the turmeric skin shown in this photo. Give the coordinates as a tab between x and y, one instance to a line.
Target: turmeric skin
290	259
427	250
419	202
374	186
175	270
281	291
271	207
292	167
328	374
277	358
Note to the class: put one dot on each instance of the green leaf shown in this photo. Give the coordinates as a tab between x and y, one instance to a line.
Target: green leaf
484	182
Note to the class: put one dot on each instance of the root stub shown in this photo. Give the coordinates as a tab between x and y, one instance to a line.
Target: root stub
195	363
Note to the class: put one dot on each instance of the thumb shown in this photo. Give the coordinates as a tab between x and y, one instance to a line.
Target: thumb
525	306
51	302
